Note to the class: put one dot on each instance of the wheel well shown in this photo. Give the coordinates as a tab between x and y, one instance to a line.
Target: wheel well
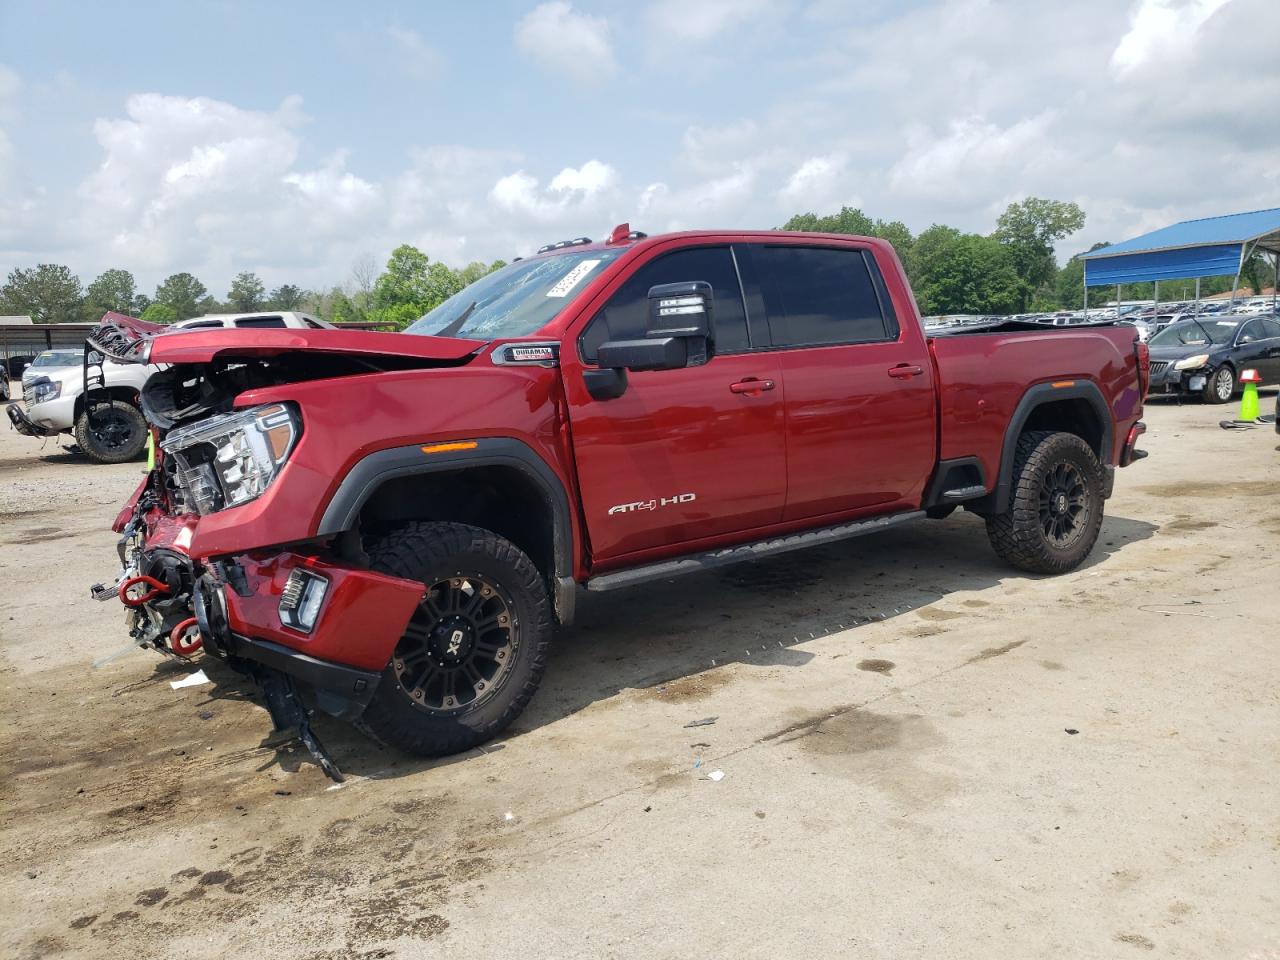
128	394
1076	415
497	498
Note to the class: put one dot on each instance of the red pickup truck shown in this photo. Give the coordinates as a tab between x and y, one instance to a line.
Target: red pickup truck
386	526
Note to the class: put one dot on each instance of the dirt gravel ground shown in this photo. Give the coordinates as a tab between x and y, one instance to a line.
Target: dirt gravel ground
924	755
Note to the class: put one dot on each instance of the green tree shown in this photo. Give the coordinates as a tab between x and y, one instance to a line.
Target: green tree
285	297
1029	230
159	313
852	221
954	272
183	293
247	293
48	292
410	286
113	290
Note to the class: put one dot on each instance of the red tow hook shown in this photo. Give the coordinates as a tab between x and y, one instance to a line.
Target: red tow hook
157	588
179	642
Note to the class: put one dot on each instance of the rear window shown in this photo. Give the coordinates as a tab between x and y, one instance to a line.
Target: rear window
823	295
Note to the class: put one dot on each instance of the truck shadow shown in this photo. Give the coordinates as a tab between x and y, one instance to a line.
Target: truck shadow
663	636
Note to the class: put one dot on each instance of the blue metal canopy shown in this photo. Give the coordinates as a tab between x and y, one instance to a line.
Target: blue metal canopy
1211	247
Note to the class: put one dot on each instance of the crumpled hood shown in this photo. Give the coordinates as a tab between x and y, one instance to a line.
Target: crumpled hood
204	346
130	340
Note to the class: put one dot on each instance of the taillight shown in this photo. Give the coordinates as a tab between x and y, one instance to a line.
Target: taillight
1143	354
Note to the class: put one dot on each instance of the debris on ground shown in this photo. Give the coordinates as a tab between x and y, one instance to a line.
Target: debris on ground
716	775
191	680
704	722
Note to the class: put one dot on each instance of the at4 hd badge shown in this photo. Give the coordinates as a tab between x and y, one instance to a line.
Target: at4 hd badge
641	505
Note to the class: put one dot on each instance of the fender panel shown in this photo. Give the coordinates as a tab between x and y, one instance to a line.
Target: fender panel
374	470
998	500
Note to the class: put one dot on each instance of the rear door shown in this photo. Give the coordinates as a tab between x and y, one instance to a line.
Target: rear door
861	420
1258	346
681	455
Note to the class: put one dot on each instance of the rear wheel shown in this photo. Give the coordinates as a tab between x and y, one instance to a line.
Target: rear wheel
1221	385
473	653
116	432
1055	511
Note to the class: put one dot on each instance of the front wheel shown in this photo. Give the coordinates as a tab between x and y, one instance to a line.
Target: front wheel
1055	511
473	652
1220	386
115	433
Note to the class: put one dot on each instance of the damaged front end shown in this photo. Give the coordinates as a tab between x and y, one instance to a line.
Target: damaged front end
305	619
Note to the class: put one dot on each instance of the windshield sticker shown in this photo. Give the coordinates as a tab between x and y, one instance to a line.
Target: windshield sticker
1228	323
572	278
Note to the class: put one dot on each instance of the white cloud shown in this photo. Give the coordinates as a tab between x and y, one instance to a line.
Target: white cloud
1161	28
413	55
572	192
574	45
815	185
703	21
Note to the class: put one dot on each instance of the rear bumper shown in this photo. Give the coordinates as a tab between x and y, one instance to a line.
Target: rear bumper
1130	453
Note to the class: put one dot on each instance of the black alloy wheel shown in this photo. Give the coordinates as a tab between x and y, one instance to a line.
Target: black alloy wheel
1064	504
473	651
459	645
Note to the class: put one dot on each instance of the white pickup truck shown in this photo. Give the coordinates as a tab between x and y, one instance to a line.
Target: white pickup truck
54	398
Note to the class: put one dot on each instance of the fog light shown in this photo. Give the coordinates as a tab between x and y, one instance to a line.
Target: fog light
301	600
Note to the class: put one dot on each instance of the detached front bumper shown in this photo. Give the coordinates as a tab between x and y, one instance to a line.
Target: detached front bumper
24	424
241	604
1166	381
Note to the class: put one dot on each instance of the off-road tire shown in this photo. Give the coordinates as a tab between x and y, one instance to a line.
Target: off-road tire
98	451
1211	392
1018	535
431	552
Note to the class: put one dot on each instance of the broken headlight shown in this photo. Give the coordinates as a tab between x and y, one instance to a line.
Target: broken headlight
43	390
230	459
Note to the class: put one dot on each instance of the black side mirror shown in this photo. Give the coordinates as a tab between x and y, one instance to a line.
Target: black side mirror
677	334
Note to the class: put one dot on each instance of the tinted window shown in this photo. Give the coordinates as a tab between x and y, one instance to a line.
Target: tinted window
1270	328
626	314
821	296
261	322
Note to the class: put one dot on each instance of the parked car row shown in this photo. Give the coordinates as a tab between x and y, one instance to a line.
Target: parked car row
112	429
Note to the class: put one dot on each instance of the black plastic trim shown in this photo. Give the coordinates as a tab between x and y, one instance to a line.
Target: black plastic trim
373	471
998	500
24	424
938	485
349	689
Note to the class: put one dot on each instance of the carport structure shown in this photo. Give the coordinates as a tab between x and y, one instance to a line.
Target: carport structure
1212	247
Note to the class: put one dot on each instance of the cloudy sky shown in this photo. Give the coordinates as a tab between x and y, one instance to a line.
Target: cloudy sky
296	138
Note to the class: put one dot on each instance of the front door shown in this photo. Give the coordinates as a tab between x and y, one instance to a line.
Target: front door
681	455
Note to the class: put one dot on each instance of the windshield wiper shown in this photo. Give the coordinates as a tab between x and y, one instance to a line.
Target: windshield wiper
456	325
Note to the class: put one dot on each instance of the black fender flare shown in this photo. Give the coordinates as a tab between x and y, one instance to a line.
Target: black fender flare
997	501
375	469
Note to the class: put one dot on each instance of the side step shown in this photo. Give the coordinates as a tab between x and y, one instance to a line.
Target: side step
756	550
965	493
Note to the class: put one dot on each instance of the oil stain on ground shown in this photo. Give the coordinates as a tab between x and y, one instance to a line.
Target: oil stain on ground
1192	490
992	652
876	666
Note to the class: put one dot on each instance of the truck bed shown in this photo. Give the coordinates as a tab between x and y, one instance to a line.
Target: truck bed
984	372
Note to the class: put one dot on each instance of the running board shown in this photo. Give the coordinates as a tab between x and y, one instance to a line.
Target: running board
756	550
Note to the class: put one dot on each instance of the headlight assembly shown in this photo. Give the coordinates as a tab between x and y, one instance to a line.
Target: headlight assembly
230	459
43	390
1192	363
